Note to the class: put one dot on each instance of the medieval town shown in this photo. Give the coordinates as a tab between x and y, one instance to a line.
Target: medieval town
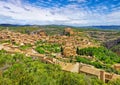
69	41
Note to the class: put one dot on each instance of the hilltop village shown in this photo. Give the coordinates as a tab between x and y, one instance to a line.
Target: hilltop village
62	50
69	40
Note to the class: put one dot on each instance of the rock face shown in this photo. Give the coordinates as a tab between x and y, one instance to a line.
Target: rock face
112	43
68	31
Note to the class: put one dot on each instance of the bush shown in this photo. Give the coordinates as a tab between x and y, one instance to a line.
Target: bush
83	60
48	48
40	50
24	47
23	70
106	58
115	82
101	54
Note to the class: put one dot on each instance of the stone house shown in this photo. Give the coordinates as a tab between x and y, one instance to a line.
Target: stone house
68	31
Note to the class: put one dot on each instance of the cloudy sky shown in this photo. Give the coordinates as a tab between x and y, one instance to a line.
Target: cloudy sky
60	12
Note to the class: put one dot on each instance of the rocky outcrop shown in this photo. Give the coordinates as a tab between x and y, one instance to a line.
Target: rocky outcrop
112	43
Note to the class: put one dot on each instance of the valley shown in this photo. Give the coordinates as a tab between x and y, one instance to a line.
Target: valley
79	51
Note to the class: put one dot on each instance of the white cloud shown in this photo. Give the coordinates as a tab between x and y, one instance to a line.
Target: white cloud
68	15
34	13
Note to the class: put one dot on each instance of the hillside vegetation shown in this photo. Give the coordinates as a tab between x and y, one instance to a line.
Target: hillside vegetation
68	47
50	30
102	58
18	69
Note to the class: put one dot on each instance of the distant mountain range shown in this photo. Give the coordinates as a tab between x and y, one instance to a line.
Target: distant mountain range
111	27
7	25
105	27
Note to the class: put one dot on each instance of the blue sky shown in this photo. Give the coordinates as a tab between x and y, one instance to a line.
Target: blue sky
60	12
